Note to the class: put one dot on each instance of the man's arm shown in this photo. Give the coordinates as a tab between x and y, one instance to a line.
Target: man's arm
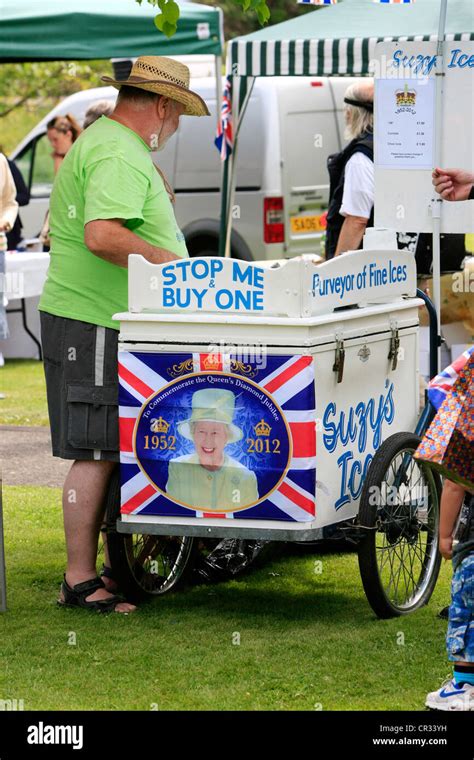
352	232
451	503
357	202
453	184
110	240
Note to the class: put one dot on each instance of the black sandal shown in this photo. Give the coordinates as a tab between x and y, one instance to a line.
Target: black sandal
75	596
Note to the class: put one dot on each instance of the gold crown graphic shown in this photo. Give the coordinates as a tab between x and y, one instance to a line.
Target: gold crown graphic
405	97
262	428
159	425
212	361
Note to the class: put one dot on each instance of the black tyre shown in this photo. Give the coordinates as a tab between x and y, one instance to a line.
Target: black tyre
201	253
399	514
145	566
205	252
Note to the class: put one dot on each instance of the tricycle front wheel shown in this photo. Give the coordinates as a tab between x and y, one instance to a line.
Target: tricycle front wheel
399	514
145	565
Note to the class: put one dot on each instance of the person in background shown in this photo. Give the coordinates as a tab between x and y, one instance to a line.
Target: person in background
8	214
351	175
8	203
62	132
454	460
97	109
457	693
454	184
22	198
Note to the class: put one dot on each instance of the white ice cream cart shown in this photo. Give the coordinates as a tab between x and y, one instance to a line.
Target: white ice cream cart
253	397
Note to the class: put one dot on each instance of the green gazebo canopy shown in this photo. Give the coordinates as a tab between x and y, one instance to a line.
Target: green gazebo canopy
340	39
42	30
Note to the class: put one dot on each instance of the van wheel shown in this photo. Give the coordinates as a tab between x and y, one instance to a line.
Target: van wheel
214	252
200	254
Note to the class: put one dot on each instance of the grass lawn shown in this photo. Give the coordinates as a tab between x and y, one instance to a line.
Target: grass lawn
22	381
307	641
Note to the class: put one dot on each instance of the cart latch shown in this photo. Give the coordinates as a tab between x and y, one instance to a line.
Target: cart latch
394	348
339	360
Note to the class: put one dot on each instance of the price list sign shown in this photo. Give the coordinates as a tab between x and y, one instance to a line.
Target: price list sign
405	111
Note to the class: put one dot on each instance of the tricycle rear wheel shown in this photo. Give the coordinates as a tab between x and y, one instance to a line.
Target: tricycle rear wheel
399	515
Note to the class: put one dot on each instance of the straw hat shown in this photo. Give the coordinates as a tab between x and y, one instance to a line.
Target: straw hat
165	77
212	405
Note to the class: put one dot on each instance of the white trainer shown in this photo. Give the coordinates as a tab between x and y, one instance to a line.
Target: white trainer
451	696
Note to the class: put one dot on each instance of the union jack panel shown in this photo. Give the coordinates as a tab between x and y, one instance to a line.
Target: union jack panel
264	406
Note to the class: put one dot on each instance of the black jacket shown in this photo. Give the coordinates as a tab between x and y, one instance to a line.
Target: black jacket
336	167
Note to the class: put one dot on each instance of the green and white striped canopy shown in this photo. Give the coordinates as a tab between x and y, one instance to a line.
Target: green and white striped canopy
340	39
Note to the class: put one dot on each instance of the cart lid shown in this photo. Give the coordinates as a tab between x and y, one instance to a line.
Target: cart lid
293	288
301	333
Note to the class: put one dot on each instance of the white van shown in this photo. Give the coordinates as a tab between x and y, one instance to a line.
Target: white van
290	127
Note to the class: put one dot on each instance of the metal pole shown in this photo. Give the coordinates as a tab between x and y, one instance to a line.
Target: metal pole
237	115
218	71
224	164
244	91
437	202
3	582
233	180
225	167
224	196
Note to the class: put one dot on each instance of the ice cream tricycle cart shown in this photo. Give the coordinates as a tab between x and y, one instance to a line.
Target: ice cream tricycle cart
271	401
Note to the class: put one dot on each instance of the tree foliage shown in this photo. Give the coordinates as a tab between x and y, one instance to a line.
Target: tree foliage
22	83
240	16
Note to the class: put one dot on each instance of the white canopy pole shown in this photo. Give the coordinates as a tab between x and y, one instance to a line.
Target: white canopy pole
437	201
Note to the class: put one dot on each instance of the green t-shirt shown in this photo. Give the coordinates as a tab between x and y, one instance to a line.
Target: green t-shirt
107	174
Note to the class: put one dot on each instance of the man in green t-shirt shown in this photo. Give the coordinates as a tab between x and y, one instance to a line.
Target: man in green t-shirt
108	201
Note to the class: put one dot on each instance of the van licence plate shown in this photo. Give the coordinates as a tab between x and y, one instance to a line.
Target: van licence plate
301	224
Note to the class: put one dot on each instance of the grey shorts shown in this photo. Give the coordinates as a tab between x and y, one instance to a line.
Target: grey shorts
80	367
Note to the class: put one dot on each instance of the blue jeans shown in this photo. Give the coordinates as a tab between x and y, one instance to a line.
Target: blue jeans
460	636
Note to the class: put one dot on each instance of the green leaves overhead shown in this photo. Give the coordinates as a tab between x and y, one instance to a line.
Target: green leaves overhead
260	7
167	19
